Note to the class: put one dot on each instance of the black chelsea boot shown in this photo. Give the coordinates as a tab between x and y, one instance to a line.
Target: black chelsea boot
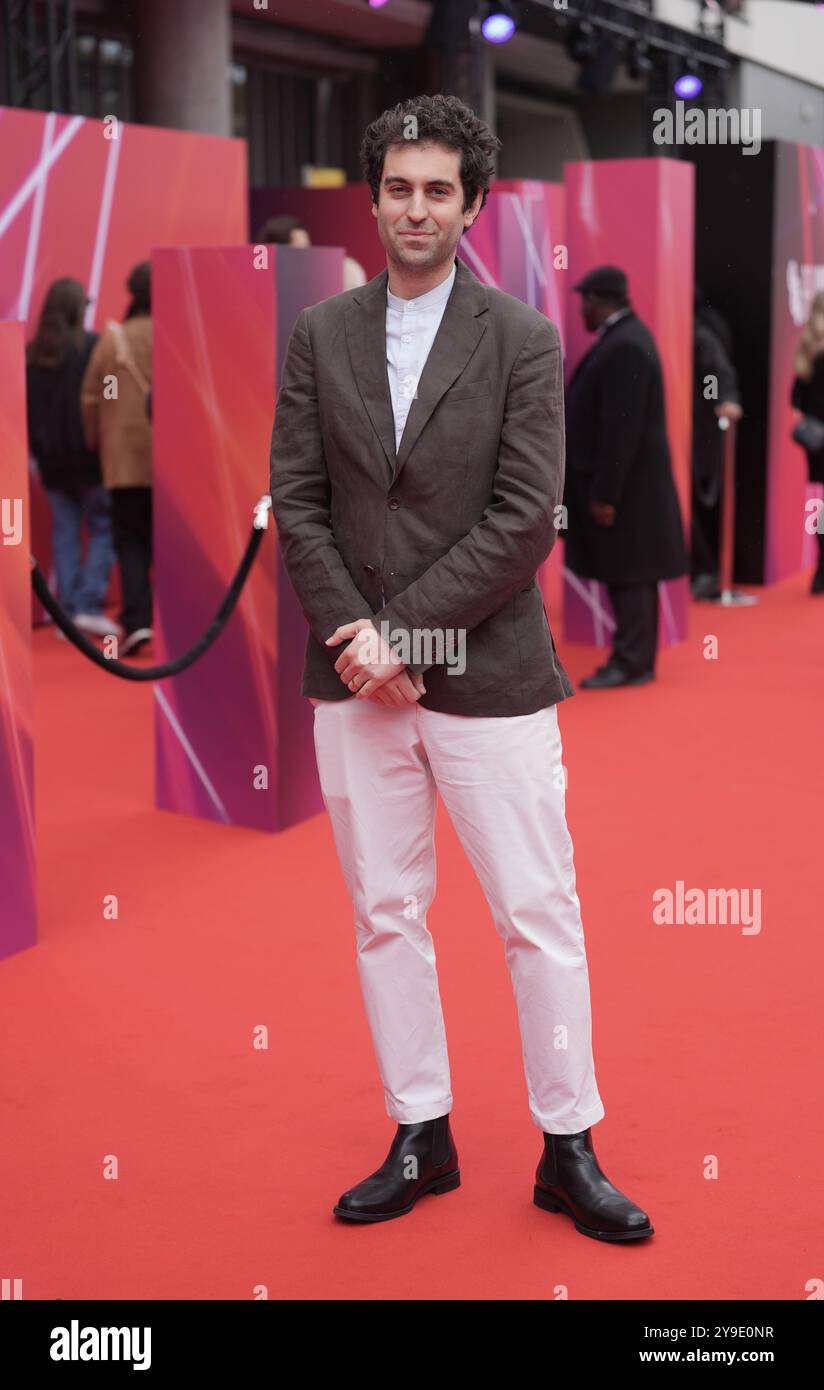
570	1179
422	1158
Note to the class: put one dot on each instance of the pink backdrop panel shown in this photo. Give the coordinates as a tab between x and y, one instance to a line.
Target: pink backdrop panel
236	718
798	248
531	234
343	217
18	867
332	217
74	202
637	214
513	246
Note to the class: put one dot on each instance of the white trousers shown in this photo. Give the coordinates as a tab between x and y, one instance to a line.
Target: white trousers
501	780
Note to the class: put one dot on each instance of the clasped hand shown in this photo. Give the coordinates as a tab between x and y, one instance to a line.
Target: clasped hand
386	679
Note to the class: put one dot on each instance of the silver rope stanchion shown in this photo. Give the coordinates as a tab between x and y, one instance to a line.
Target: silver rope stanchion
729	597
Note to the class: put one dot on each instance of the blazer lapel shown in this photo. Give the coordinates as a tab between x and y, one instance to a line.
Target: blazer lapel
461	328
365	324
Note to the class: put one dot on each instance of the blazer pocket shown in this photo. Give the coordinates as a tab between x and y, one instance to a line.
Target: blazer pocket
470	392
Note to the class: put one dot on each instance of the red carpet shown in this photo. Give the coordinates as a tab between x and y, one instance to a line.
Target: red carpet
134	1037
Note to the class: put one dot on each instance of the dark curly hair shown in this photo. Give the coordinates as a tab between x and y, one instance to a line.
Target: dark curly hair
445	120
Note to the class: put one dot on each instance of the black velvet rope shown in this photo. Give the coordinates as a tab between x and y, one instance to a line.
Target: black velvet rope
149	673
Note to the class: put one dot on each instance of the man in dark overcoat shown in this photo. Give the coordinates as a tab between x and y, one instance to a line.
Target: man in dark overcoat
624	524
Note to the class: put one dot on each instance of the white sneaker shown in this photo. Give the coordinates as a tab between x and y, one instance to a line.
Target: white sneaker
135	640
98	623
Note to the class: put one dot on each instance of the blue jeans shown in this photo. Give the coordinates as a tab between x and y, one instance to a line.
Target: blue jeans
82	584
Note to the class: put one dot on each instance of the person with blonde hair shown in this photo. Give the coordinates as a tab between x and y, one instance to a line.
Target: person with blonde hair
808	397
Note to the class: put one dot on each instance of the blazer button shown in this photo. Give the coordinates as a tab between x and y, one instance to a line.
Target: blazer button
394	503
370	569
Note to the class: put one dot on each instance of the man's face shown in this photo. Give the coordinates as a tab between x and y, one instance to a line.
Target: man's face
299	237
592	311
420	205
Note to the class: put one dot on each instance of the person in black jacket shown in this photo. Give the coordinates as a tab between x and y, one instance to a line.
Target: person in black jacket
715	396
624	520
808	397
56	359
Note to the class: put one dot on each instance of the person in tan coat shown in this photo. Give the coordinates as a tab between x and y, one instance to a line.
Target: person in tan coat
115	405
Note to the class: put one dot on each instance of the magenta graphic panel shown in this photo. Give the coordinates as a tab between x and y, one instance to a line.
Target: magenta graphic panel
797	272
233	733
517	245
637	214
74	202
18	869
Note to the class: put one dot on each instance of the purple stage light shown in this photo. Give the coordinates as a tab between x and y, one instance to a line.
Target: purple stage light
688	86
498	27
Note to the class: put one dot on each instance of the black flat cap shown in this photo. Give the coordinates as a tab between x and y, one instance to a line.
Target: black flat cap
606	280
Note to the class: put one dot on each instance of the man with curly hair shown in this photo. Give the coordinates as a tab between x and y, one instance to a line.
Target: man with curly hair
417	468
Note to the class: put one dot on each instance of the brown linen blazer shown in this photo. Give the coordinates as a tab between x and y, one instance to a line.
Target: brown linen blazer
445	536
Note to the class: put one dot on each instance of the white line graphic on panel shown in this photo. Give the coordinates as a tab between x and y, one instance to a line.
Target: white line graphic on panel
534	259
24	192
589	593
205	779
228	494
587	205
33	242
469	253
103	219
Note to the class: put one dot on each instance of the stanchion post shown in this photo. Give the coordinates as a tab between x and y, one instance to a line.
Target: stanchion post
726	556
730	597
